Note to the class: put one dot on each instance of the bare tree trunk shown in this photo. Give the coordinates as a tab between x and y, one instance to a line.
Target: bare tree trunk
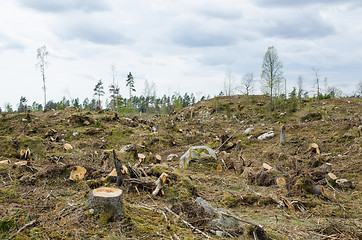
45	93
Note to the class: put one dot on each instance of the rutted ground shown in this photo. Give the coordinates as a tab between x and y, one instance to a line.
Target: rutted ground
41	193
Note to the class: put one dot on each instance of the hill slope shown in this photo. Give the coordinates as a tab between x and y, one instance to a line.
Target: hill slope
285	200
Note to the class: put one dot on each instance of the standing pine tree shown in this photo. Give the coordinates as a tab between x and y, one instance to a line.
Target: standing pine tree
130	84
98	91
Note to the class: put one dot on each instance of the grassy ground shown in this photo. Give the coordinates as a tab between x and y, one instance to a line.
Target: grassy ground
42	194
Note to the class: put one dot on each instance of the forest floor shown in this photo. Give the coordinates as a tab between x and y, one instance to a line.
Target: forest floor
296	199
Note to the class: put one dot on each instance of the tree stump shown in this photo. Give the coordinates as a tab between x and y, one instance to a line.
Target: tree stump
78	173
108	202
282	135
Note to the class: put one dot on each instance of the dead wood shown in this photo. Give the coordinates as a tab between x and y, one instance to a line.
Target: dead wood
187	223
242	220
119	168
159	183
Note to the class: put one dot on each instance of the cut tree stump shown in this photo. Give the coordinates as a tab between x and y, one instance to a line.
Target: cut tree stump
157	158
315	148
281	182
78	173
328	167
108	202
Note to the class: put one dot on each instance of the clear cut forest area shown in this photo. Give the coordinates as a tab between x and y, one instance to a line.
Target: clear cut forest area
239	167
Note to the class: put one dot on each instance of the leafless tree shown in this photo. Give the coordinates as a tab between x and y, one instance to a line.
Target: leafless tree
317	79
229	83
42	55
272	73
248	83
300	86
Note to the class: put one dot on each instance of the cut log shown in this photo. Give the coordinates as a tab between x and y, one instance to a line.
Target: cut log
267	167
78	173
282	135
4	162
21	164
318	190
108	202
159	183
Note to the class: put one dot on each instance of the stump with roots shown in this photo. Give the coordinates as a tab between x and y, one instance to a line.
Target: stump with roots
108	202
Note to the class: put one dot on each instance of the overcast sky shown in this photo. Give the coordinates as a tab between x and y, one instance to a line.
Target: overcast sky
181	46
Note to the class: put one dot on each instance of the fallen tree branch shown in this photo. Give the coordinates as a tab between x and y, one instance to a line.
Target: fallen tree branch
229	138
187	223
242	220
24	227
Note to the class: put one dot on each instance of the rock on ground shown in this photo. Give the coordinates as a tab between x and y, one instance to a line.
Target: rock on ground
197	153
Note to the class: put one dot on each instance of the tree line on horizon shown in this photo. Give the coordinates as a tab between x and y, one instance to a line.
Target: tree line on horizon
272	80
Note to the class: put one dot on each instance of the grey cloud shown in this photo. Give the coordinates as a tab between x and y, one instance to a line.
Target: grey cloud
94	33
202	39
8	43
296	3
65	5
213	11
194	34
298	27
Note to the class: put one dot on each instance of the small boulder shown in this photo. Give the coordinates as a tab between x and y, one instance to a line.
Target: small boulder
344	183
197	153
172	157
68	147
248	130
266	136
